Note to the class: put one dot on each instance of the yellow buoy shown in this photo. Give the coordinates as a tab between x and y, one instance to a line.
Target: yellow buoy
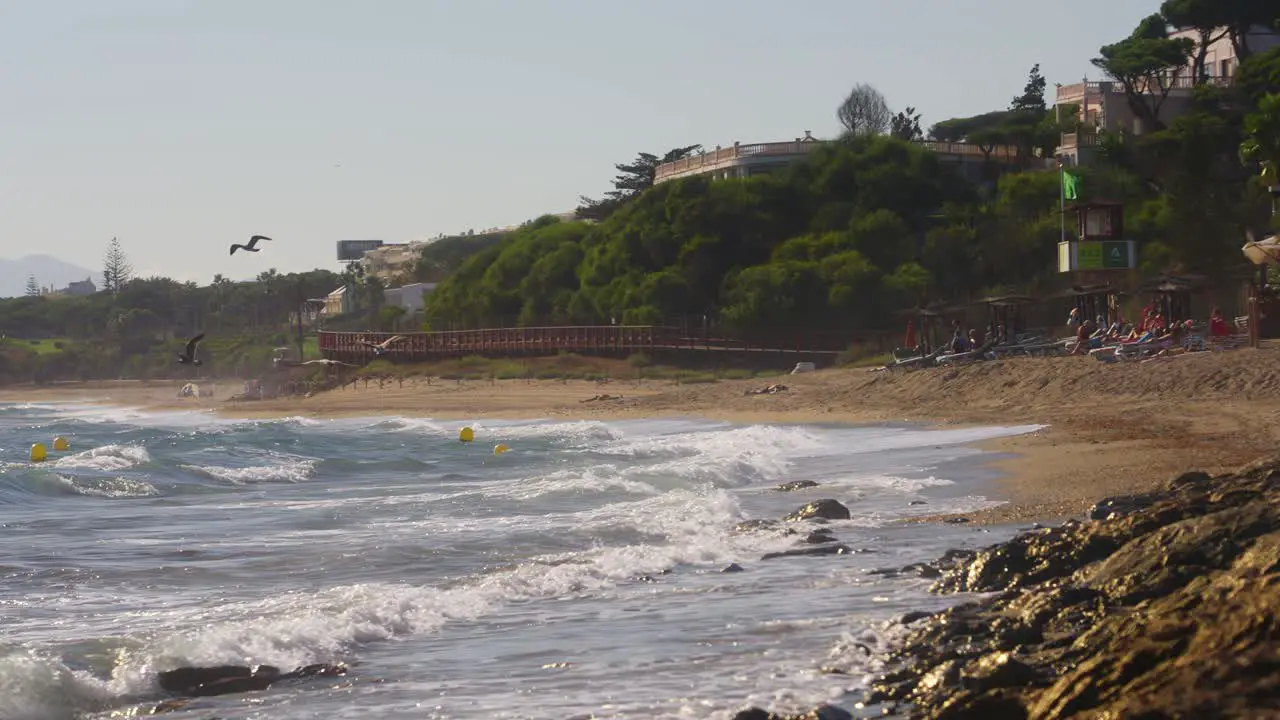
38	453
467	435
60	444
500	448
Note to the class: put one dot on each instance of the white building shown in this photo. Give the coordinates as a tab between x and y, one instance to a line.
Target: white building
411	297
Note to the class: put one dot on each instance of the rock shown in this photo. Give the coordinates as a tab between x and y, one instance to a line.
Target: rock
228	679
996	672
917	502
956	520
803	552
821	535
913	616
796	485
754	525
1165	607
826	509
822	712
732	568
1115	507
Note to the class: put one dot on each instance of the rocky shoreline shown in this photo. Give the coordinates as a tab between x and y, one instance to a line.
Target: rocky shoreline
1162	605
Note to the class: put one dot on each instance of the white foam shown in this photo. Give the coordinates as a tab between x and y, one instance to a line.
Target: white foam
116	487
108	458
292	471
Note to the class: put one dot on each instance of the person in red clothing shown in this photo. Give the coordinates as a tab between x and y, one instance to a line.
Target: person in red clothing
1218	326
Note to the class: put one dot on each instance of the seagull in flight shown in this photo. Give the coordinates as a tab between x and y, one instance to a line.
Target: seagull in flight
188	356
251	246
326	361
385	345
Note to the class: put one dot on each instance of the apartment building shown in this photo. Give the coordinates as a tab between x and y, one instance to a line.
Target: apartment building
1104	107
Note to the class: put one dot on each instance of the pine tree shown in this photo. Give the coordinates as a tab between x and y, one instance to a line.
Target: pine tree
33	288
116	271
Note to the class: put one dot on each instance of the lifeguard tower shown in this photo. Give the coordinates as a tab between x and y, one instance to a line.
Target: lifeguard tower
1095	257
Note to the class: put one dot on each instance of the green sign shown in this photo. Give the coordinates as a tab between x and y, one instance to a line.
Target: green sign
1089	256
1105	255
1115	255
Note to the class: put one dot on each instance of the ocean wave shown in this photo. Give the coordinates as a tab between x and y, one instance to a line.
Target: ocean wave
107	458
113	487
289	471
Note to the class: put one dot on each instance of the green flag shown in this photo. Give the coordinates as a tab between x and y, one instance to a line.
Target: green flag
1070	185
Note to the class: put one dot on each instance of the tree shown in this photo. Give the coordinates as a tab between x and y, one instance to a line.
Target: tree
1031	101
116	270
906	125
633	179
33	288
865	112
1215	18
1262	144
1204	17
1146	65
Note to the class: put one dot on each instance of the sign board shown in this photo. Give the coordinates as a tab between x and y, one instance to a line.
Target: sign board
349	250
1097	255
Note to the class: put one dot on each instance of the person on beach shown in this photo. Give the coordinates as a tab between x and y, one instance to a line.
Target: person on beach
1218	327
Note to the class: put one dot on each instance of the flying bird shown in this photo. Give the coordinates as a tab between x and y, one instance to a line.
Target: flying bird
326	361
251	246
188	356
385	345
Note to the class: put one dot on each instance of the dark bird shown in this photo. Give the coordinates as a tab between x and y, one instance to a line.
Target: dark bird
188	356
385	345
252	245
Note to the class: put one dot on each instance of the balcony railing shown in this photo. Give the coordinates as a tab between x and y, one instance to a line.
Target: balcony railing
1084	139
1181	82
724	157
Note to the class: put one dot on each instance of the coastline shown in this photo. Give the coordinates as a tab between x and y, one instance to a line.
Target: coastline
1109	429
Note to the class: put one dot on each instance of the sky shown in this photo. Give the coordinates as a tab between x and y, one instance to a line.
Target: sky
182	126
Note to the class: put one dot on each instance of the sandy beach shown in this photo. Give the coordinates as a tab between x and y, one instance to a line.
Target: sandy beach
1111	428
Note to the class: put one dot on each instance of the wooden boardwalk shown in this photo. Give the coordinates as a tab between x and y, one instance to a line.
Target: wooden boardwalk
617	340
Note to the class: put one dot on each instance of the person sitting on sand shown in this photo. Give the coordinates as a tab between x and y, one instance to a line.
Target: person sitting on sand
1083	335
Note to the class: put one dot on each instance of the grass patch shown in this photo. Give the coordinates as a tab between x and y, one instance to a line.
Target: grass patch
44	346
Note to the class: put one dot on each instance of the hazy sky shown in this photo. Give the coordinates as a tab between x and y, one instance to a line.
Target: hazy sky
181	126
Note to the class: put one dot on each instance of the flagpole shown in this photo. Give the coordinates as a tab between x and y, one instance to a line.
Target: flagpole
1062	190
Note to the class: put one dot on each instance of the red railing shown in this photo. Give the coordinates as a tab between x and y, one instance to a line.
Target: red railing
588	339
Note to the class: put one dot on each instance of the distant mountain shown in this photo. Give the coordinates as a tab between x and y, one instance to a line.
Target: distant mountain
47	270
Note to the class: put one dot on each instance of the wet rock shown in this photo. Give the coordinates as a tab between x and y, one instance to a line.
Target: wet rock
956	520
821	535
913	616
1114	507
796	485
228	679
917	502
1165	608
923	570
826	509
755	525
823	712
996	672
804	552
732	568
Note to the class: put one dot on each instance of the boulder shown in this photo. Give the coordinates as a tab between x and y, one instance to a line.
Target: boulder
825	509
796	485
1164	606
228	679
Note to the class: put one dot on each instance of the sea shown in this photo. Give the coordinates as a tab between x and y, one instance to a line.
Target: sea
580	574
